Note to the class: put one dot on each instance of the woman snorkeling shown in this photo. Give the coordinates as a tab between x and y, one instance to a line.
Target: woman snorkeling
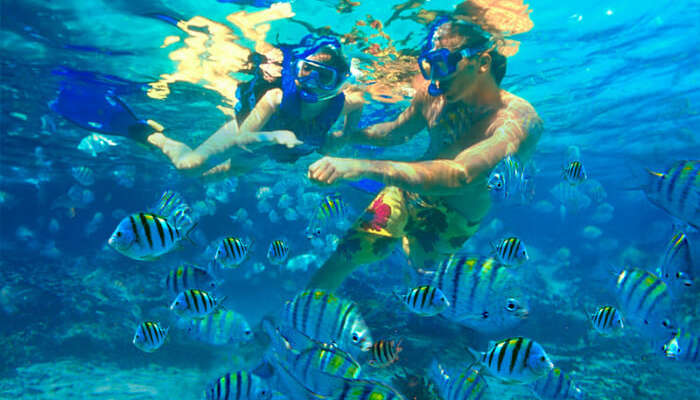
288	121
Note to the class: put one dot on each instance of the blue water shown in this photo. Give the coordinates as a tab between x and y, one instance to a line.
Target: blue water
616	81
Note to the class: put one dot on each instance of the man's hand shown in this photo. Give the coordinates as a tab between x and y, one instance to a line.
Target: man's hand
328	170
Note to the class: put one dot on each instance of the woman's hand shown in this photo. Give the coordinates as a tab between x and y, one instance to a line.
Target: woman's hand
328	170
283	137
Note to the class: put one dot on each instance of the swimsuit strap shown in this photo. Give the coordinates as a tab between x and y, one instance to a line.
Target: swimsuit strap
312	132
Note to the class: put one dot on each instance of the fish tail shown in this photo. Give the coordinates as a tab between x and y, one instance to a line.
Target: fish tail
187	234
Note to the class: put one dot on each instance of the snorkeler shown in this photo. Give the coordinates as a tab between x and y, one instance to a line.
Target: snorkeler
289	121
434	205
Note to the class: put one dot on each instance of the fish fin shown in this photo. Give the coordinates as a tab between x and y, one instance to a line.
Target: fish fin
477	355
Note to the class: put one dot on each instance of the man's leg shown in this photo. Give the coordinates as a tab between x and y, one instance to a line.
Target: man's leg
372	238
355	249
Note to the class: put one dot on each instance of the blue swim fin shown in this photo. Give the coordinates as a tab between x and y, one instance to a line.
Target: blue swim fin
90	100
367	185
99	111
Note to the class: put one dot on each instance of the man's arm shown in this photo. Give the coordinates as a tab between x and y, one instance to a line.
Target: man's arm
511	134
392	133
514	131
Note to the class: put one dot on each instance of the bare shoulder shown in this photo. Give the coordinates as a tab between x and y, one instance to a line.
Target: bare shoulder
516	106
517	113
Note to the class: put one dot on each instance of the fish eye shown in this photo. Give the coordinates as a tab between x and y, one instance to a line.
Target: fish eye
511	305
119	234
543	358
247	332
666	323
355	337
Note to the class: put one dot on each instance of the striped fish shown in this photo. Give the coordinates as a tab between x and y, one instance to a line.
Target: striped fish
557	385
518	360
305	366
327	318
362	389
511	183
278	251
483	293
425	301
677	264
241	385
169	202
231	252
683	347
511	251
677	190
219	328
149	336
84	175
645	301
607	320
331	209
144	236
189	276
384	353
574	173
468	384
193	303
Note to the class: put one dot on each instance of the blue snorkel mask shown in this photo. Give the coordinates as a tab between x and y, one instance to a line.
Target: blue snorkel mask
316	81
441	62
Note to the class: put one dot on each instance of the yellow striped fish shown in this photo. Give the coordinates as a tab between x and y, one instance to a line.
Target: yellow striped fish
219	328
145	236
607	320
677	264
331	209
384	353
149	336
327	318
646	303
511	251
231	252
677	190
241	385
189	276
557	385
425	301
308	366
452	385
683	347
193	303
482	292
362	389
518	359
278	251
574	173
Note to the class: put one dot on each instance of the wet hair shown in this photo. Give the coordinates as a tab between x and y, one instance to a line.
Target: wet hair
336	59
475	37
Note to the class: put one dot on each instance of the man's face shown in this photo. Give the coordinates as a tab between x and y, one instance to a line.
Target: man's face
463	80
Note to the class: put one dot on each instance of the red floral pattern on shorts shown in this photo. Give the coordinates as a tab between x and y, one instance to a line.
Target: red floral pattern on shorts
377	215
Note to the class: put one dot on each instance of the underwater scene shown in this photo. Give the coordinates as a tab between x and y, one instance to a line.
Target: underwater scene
349	200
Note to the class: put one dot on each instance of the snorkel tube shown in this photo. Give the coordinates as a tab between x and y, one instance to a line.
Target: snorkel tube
433	90
309	45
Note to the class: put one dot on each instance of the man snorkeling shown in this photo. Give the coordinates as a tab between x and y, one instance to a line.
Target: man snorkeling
287	122
432	206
